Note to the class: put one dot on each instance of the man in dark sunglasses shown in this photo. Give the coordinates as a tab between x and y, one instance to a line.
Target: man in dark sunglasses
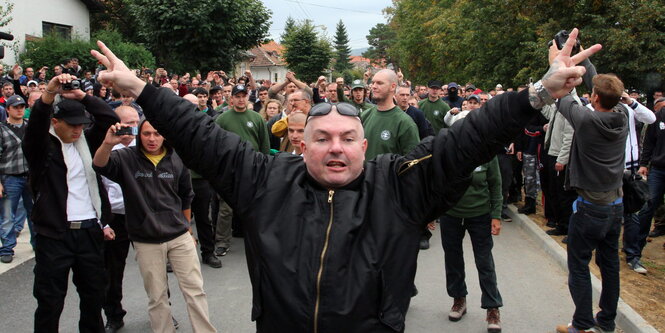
332	240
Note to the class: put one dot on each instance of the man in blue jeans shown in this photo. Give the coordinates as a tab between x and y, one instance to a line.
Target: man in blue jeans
13	176
652	163
595	171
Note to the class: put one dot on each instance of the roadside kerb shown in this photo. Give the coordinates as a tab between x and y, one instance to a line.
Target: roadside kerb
627	318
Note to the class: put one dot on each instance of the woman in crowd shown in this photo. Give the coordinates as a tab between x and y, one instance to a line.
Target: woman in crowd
270	109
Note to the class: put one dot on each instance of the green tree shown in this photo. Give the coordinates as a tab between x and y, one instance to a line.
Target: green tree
202	34
342	49
381	37
116	16
289	26
307	53
504	41
52	50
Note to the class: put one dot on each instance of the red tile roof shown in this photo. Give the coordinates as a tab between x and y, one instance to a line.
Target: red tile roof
268	54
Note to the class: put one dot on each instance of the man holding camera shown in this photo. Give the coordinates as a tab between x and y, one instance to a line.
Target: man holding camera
157	192
71	203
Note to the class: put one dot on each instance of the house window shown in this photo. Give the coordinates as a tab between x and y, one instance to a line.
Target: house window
60	30
275	78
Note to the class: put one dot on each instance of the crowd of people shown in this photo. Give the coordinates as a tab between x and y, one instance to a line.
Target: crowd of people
122	157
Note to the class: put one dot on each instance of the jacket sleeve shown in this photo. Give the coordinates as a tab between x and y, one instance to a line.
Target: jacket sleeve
36	138
280	127
104	118
233	168
649	143
340	94
408	138
572	110
434	176
564	152
643	114
264	140
494	184
185	189
112	170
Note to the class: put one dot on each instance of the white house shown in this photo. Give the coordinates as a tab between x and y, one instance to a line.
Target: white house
35	18
265	62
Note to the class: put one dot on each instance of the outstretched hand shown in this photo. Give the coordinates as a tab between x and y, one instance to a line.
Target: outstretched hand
563	74
116	74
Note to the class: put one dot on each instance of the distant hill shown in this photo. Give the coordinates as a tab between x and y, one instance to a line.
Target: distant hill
357	52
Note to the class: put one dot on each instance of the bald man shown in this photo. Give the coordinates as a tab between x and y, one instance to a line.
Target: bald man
115	250
388	129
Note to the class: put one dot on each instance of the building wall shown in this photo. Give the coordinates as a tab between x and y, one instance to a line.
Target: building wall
29	14
262	73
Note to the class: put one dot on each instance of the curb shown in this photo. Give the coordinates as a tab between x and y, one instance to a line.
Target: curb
627	318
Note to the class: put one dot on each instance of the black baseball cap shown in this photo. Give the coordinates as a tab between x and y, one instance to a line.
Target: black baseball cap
470	87
474	96
15	100
72	112
238	89
435	84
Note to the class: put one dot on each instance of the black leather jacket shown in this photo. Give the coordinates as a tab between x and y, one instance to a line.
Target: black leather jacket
342	260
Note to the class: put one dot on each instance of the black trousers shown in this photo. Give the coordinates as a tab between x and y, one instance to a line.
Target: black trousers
558	200
201	211
115	256
479	228
506	167
80	251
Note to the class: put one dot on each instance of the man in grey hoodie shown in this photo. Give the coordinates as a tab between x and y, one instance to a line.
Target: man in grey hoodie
595	171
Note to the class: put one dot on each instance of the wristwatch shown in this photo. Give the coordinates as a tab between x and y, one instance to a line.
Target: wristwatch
539	96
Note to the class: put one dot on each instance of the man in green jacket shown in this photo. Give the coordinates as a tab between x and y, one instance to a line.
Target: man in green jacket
434	107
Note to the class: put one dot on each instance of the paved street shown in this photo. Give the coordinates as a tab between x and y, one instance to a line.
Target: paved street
533	287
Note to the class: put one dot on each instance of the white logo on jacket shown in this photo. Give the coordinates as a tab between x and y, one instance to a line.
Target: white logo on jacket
250	124
385	135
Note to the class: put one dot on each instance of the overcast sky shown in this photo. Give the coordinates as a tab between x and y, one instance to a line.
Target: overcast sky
358	16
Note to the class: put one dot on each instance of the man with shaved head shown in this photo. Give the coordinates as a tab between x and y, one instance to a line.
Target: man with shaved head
387	128
116	250
332	238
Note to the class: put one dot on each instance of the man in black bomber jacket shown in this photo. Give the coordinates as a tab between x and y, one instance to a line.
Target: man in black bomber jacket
332	240
71	204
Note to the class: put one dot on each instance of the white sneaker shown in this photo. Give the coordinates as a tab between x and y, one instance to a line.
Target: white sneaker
637	267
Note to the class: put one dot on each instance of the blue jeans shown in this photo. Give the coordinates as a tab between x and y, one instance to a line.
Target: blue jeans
594	227
16	188
635	237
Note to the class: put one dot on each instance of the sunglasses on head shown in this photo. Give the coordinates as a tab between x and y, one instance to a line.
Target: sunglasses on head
343	108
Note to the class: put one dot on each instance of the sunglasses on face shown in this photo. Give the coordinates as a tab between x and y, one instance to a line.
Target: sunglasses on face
343	108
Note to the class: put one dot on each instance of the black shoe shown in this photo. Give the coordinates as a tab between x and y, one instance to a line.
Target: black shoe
113	326
529	207
424	244
169	268
565	240
657	232
221	251
506	218
556	232
7	258
175	322
550	224
212	261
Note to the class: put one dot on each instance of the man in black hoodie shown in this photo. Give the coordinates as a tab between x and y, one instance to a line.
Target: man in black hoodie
595	171
157	192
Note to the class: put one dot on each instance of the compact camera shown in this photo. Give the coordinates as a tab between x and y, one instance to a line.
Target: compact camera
73	85
561	37
130	130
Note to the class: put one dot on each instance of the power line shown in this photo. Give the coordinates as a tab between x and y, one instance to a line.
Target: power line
331	7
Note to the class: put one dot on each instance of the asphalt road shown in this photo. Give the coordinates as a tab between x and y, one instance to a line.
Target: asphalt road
533	287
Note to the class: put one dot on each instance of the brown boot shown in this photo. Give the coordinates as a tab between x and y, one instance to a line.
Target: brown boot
458	310
493	320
